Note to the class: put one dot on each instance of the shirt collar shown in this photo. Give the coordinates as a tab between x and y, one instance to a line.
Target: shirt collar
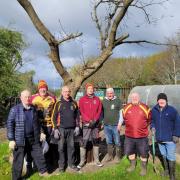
111	99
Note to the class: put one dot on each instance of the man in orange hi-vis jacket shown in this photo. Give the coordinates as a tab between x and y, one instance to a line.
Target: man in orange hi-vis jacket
136	117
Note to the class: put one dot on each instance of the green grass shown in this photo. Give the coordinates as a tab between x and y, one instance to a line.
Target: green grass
110	173
5	167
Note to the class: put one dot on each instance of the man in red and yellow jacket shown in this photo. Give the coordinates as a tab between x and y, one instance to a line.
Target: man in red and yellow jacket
44	103
90	109
136	117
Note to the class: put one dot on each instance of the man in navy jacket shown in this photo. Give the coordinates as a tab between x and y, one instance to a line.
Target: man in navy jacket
166	127
23	132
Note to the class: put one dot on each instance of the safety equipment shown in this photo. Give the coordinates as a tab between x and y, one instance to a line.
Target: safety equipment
57	134
76	131
42	137
45	147
12	145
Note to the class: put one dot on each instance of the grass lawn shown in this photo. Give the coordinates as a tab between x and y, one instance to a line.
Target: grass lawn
115	172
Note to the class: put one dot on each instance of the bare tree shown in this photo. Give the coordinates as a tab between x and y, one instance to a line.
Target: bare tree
108	31
168	68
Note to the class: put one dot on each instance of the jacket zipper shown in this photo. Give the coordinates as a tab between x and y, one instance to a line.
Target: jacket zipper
160	123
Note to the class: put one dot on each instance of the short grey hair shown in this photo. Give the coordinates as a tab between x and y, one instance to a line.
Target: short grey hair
110	90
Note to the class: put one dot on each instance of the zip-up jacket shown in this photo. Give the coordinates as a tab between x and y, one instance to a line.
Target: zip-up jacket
44	107
166	123
137	119
65	114
90	108
16	125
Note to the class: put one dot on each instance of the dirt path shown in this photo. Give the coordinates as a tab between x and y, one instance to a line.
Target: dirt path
3	136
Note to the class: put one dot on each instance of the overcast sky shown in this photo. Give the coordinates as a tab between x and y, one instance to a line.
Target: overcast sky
75	16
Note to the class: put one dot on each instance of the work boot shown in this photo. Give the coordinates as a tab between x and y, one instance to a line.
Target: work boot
172	166
118	155
29	171
165	166
132	165
83	157
74	168
96	156
45	174
110	150
143	168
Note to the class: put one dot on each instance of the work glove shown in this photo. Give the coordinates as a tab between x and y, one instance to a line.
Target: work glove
153	130
42	137
57	134
92	124
12	145
45	147
76	131
175	139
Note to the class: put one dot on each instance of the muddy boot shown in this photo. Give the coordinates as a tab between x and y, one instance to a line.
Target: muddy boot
96	156
118	154
172	166
143	168
83	157
110	150
132	165
165	166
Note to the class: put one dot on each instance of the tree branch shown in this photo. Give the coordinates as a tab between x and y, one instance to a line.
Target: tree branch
148	42
53	43
119	40
69	37
99	27
117	21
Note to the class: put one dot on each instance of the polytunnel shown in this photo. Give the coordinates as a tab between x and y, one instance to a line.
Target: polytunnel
148	94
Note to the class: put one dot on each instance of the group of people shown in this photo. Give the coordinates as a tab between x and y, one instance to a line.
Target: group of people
42	118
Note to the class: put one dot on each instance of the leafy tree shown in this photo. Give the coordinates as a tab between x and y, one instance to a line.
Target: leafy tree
11	46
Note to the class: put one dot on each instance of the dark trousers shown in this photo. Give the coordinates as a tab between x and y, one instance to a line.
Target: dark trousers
49	156
18	158
67	138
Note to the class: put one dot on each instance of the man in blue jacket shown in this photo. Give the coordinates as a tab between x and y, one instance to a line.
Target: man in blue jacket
166	127
23	132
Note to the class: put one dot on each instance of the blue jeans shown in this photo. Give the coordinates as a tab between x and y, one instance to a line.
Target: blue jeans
168	150
112	135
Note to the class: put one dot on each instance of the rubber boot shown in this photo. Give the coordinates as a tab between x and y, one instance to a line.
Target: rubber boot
165	166
29	171
83	157
96	156
172	166
110	150
143	168
118	155
132	165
